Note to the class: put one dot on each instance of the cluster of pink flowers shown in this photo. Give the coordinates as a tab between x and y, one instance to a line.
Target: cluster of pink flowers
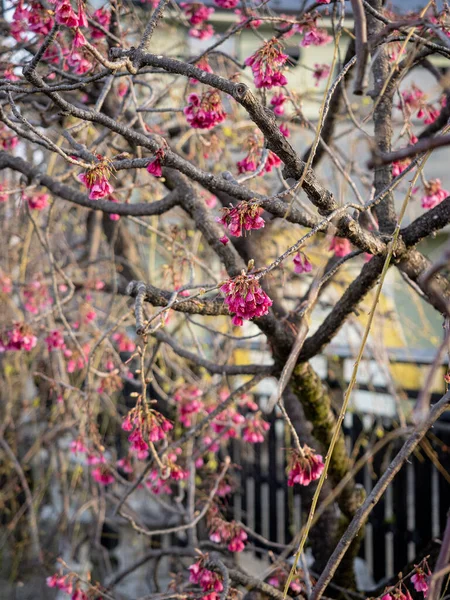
209	581
154	167
124	344
266	64
147	425
36	18
340	246
37	201
398	166
278	579
254	429
277	102
76	361
205	111
55	340
301	263
229	533
96	180
313	36
65	15
245	216
64	583
245	298
188	402
250	163
227	3
103	18
8	141
415	100
156	484
102	473
196	12
320	72
36	297
204	65
434	194
304	467
244	15
420	580
20	337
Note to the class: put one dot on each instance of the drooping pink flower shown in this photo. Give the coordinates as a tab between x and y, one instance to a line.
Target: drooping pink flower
205	111
246	165
202	32
124	343
434	194
254	429
398	166
320	72
227	3
224	240
102	475
304	467
204	65
187	398
55	340
65	15
103	18
80	65
301	263
61	582
244	15
209	581
78	446
96	180
148	424
125	465
79	595
196	12
277	102
39	19
157	485
245	298
245	216
82	17
420	581
285	130
340	246
266	64
154	167
414	99
272	162
36	296
37	201
316	37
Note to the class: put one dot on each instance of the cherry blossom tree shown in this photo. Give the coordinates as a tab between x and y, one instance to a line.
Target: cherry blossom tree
158	221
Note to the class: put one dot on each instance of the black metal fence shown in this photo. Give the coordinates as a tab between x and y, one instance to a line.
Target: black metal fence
412	512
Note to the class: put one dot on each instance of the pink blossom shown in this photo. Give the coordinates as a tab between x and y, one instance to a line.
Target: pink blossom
149	426
96	181
277	102
124	343
79	40
187	398
196	12
340	246
5	284
266	64
36	297
320	72
301	263
285	130
202	32
224	240
204	65
80	66
38	201
398	166
65	15
154	167
208	580
205	111
243	16
61	582
435	194
316	37
227	3
245	298
78	446
255	429
3	196
304	467
55	340
102	475
103	17
156	484
272	162
419	580
245	216
125	465
79	595
247	164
